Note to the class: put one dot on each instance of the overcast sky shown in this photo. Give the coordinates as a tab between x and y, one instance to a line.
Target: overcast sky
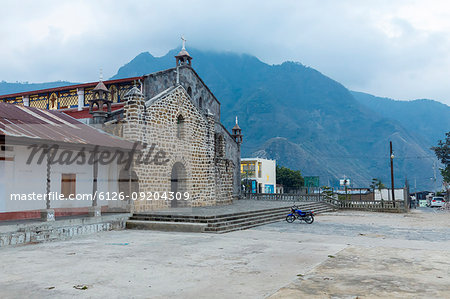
398	49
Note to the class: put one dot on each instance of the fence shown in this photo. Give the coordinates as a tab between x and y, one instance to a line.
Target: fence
374	205
366	205
284	197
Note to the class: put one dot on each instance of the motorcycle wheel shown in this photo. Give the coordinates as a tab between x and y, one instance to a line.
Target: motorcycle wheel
290	218
309	219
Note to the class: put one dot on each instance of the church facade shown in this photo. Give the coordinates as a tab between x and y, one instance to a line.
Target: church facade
186	156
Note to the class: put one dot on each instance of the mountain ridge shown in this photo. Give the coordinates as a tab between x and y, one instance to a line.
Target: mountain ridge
303	118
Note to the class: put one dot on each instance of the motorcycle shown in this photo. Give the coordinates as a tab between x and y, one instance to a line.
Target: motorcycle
296	213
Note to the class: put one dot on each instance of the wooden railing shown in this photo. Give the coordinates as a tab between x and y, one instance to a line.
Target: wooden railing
368	205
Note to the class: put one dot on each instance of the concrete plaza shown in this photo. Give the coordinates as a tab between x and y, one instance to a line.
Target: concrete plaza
343	254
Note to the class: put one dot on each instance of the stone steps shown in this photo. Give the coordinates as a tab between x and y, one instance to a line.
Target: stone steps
219	223
222	227
250	222
166	226
203	219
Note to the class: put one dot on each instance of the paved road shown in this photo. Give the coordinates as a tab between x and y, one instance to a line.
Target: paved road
394	255
377	227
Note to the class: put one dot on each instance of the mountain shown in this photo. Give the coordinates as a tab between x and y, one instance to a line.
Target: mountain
8	88
428	118
307	121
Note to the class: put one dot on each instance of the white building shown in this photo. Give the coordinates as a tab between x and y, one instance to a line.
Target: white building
386	194
36	182
258	175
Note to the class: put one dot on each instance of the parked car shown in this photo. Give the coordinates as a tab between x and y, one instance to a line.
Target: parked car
437	202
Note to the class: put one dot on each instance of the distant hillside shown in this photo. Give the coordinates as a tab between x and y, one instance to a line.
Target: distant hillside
307	121
303	119
7	88
427	118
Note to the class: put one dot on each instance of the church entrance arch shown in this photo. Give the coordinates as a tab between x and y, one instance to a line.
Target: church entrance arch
178	180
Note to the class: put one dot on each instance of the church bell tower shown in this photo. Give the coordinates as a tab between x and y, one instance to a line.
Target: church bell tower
237	133
183	57
100	99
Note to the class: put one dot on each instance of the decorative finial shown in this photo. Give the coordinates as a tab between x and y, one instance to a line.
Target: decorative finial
236	120
101	74
184	43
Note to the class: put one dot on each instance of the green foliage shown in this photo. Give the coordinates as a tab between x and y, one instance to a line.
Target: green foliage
289	178
377	184
342	197
445	172
442	152
327	190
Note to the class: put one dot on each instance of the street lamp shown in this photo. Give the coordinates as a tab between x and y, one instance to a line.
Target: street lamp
392	174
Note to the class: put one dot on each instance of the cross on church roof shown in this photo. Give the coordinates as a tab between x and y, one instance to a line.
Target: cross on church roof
184	43
236	126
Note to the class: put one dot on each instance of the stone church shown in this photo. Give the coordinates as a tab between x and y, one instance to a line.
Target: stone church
175	113
175	119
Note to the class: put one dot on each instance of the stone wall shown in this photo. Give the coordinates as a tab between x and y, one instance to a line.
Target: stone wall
37	232
158	82
154	118
185	136
232	153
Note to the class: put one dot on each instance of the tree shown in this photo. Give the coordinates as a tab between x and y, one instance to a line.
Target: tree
327	190
442	152
289	178
377	184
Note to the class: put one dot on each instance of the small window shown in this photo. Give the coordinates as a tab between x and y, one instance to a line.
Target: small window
189	91
200	103
68	183
180	126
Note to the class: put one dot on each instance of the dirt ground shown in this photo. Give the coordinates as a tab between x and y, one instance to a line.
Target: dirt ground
341	255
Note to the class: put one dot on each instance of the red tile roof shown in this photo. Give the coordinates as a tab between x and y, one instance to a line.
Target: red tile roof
82	114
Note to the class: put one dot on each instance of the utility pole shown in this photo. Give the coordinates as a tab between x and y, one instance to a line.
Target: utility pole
434	172
392	173
415	192
345	187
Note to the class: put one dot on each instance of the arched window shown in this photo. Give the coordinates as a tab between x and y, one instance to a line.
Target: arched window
189	91
180	126
53	102
200	103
